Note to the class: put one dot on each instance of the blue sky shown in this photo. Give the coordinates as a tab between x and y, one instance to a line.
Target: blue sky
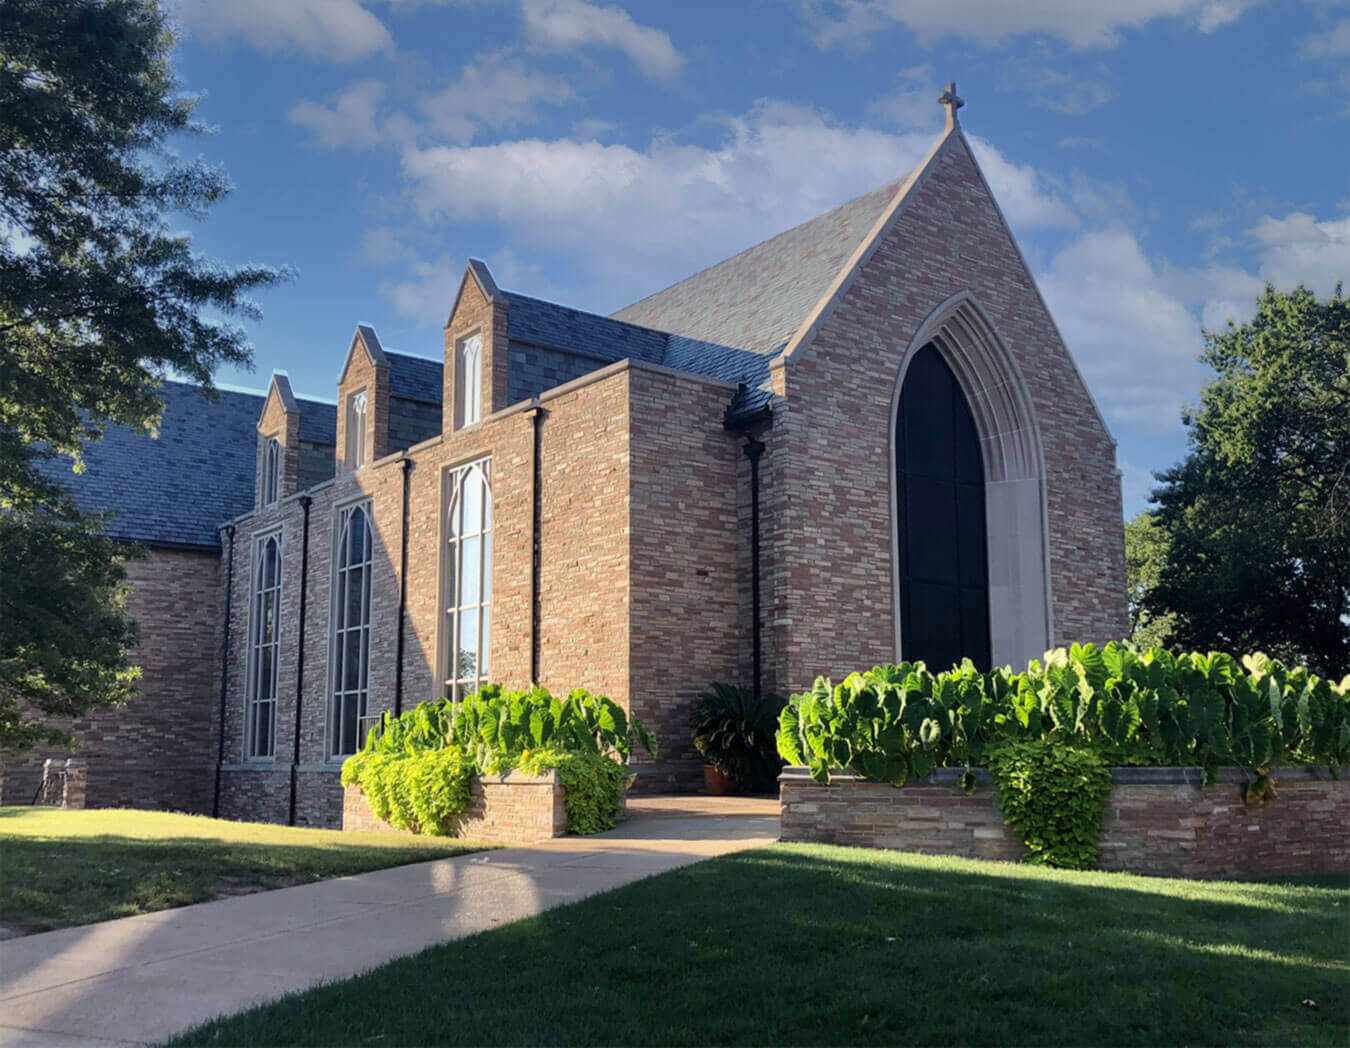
1159	160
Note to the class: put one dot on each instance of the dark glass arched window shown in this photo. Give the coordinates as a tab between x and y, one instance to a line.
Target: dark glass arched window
944	585
351	630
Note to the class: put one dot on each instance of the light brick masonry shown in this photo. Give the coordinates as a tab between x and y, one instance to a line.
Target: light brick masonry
620	510
1159	821
511	808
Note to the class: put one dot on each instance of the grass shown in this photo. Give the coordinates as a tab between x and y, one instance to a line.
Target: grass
803	944
59	868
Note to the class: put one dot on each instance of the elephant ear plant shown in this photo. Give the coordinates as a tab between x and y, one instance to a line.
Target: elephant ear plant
736	733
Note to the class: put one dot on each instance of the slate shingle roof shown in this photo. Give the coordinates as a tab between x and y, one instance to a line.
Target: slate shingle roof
757	300
175	490
318	421
728	322
415	378
541	323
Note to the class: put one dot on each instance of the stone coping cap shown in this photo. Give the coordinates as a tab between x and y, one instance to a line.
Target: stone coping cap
1123	776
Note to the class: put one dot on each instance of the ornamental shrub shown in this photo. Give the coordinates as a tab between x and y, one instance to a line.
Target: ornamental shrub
592	786
1054	796
1127	705
414	770
736	734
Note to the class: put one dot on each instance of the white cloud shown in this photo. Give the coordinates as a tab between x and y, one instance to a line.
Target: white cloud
563	26
426	293
498	91
353	118
382	246
1132	336
1134	324
1052	88
1334	42
325	30
1078	23
1298	249
638	217
914	101
1022	192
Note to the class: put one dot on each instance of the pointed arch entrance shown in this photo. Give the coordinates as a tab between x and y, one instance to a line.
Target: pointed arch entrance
939	481
970	574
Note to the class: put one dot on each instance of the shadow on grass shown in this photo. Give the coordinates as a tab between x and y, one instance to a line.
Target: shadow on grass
810	944
51	882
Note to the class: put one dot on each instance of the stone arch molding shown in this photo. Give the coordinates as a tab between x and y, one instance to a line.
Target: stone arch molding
1020	622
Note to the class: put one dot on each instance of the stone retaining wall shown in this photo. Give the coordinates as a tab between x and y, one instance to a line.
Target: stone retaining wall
1159	821
511	808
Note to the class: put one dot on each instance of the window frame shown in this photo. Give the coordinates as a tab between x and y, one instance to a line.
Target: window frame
449	682
258	592
271	493
469	380
357	409
338	628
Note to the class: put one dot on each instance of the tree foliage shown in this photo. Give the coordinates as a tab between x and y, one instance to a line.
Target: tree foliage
99	300
1145	547
1251	544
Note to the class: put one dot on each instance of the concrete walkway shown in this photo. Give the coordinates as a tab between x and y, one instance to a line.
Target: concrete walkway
141	979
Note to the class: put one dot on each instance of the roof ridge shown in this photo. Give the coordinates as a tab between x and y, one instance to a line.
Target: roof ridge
413	356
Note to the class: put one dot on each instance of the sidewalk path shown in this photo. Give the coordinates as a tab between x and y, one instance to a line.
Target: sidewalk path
141	979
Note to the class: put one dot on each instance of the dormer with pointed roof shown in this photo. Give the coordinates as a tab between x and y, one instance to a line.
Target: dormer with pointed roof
295	443
394	398
476	350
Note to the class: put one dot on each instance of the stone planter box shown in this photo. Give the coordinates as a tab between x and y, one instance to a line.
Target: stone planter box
510	808
1159	821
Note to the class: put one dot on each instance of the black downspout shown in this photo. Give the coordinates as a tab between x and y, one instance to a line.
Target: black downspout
300	656
753	450
406	465
536	523
224	666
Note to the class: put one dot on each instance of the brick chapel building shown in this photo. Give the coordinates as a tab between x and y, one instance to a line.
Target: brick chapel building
861	440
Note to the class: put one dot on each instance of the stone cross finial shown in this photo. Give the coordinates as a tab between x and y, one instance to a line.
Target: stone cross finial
950	99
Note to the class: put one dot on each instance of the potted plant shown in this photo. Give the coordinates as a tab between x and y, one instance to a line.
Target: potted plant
736	733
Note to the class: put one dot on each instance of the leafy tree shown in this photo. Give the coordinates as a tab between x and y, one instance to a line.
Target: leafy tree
1145	550
1254	524
99	300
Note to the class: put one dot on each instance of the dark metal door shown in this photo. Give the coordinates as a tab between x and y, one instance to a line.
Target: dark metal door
944	584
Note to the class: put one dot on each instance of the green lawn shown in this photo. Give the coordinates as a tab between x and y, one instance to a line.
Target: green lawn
59	868
798	944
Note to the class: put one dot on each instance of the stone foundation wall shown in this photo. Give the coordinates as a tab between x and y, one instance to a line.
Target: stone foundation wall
262	793
511	808
1159	821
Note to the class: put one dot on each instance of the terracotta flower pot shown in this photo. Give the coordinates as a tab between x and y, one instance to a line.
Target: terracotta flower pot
715	782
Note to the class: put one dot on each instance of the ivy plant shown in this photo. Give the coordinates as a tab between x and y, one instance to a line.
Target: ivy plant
415	770
1054	796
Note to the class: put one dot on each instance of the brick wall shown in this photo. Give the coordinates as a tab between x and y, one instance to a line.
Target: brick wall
827	497
512	808
1158	821
157	751
685	542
